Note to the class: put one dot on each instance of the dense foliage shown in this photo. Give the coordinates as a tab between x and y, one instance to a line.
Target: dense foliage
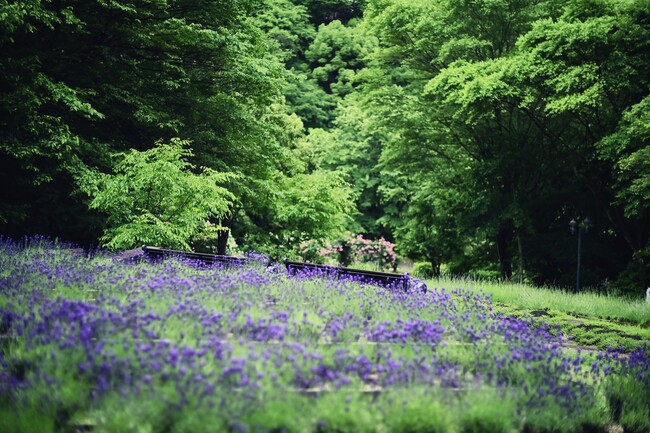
467	132
154	198
109	344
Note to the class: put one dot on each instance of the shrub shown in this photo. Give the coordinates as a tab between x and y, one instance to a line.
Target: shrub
422	270
154	198
379	253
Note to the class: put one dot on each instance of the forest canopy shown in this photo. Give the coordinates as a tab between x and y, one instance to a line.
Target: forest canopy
468	132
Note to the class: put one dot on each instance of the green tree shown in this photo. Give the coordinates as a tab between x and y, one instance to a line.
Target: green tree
36	140
309	101
337	53
154	198
314	206
87	78
517	105
288	26
324	11
352	148
325	71
592	67
290	32
628	150
439	92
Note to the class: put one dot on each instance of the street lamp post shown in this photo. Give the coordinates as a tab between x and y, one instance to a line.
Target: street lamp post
579	229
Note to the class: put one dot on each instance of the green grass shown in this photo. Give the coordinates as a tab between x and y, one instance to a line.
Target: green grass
586	304
590	319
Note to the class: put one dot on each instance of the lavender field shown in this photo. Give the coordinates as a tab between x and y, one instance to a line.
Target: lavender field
105	345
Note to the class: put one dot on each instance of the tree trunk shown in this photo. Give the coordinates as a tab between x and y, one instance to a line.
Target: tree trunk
504	242
520	248
435	264
222	241
222	235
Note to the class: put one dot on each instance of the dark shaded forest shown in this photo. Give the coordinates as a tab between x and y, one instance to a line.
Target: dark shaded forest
469	133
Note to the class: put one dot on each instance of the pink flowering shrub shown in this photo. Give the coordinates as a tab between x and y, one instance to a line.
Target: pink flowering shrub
353	249
310	251
380	252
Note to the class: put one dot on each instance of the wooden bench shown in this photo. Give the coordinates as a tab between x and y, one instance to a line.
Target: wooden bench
385	279
157	252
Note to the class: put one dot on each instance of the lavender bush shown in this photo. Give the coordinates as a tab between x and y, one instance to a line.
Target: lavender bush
176	346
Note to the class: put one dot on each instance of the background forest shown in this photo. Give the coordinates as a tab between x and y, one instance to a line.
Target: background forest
467	132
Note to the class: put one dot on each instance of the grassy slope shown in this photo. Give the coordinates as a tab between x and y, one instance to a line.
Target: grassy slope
589	319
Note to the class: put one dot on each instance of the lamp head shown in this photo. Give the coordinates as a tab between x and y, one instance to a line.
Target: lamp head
573	225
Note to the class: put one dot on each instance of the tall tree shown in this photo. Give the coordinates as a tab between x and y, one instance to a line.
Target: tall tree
337	54
517	102
353	150
82	79
441	102
592	66
325	11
